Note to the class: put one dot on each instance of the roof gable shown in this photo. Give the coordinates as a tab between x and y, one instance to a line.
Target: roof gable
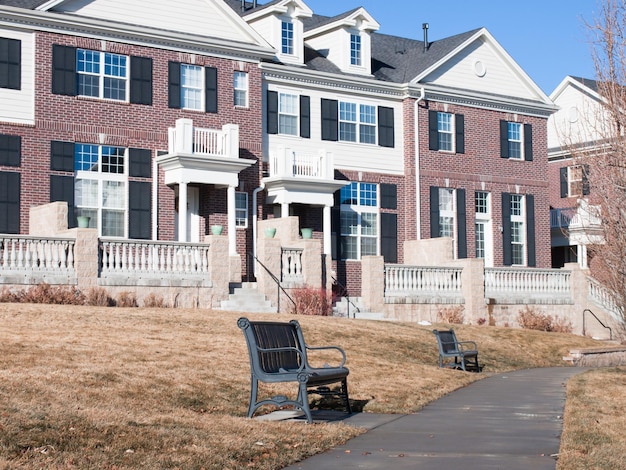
201	17
358	18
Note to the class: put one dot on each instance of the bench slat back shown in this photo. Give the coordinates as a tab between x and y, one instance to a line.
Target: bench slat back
447	340
269	335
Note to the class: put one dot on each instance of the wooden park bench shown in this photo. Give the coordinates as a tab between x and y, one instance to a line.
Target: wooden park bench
464	353
278	353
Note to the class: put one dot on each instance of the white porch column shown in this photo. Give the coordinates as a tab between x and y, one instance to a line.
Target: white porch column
182	212
582	256
326	249
284	209
232	230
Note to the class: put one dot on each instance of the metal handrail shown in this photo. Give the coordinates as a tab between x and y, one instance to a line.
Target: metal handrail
345	291
277	281
599	321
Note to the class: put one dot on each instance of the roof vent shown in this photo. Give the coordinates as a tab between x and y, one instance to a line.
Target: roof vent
425	28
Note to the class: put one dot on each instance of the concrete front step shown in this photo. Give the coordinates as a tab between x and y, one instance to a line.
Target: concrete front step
246	298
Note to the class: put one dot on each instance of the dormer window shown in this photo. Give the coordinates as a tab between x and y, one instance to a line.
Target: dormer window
355	50
287	37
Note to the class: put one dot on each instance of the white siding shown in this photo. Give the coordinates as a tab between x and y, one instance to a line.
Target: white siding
499	76
577	119
347	155
18	106
201	17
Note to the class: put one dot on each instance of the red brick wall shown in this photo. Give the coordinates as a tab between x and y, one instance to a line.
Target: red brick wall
481	168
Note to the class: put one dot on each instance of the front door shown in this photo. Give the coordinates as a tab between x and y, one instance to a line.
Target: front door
193	217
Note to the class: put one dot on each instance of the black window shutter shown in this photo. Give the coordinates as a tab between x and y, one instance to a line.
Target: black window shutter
305	116
62	189
507	252
140	163
504	139
10	150
530	230
10	63
434	212
61	156
528	142
173	84
330	120
460	133
389	237
211	89
388	196
563	181
386	127
139	210
585	180
272	112
433	131
64	70
9	202
461	224
141	80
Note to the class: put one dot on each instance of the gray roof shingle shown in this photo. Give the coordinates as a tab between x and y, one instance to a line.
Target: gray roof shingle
27	4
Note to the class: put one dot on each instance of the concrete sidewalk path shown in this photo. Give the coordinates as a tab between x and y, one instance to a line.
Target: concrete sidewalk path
509	421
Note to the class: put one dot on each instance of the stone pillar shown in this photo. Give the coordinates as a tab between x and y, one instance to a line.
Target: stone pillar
219	266
579	289
269	252
473	289
86	257
373	283
312	263
48	220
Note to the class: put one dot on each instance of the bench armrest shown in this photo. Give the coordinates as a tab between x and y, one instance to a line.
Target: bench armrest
319	348
467	346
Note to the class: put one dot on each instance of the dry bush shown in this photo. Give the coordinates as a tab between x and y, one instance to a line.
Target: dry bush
311	301
531	319
154	301
8	296
127	299
99	297
46	294
453	315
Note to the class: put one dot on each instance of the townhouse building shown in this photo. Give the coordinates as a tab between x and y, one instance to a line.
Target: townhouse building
159	121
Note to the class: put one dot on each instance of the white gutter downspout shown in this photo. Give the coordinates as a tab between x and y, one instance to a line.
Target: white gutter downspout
155	198
418	198
254	221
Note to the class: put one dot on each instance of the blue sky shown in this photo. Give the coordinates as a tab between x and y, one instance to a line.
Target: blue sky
547	38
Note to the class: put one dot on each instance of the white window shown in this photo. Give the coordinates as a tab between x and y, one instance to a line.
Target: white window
446	212
288	114
482	227
241	209
191	86
357	127
359	220
516	140
240	84
445	131
518	230
102	75
355	50
100	187
287	37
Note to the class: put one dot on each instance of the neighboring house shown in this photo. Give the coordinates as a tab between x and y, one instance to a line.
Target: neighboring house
573	129
428	139
132	114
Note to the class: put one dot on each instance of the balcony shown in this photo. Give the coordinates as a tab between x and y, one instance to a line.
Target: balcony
561	218
304	177
204	156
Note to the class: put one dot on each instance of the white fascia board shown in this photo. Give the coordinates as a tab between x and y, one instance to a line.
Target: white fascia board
132	34
571	82
302	10
349	21
49	4
483	33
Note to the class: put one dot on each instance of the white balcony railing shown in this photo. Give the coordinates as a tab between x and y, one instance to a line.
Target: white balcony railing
561	218
289	163
291	265
184	138
527	282
137	257
36	254
410	281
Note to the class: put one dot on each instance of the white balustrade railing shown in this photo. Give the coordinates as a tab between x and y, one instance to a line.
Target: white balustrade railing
127	257
36	254
531	282
209	141
185	138
406	281
291	265
286	162
603	297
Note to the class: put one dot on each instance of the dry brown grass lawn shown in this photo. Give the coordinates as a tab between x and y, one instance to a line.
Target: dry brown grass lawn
88	387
